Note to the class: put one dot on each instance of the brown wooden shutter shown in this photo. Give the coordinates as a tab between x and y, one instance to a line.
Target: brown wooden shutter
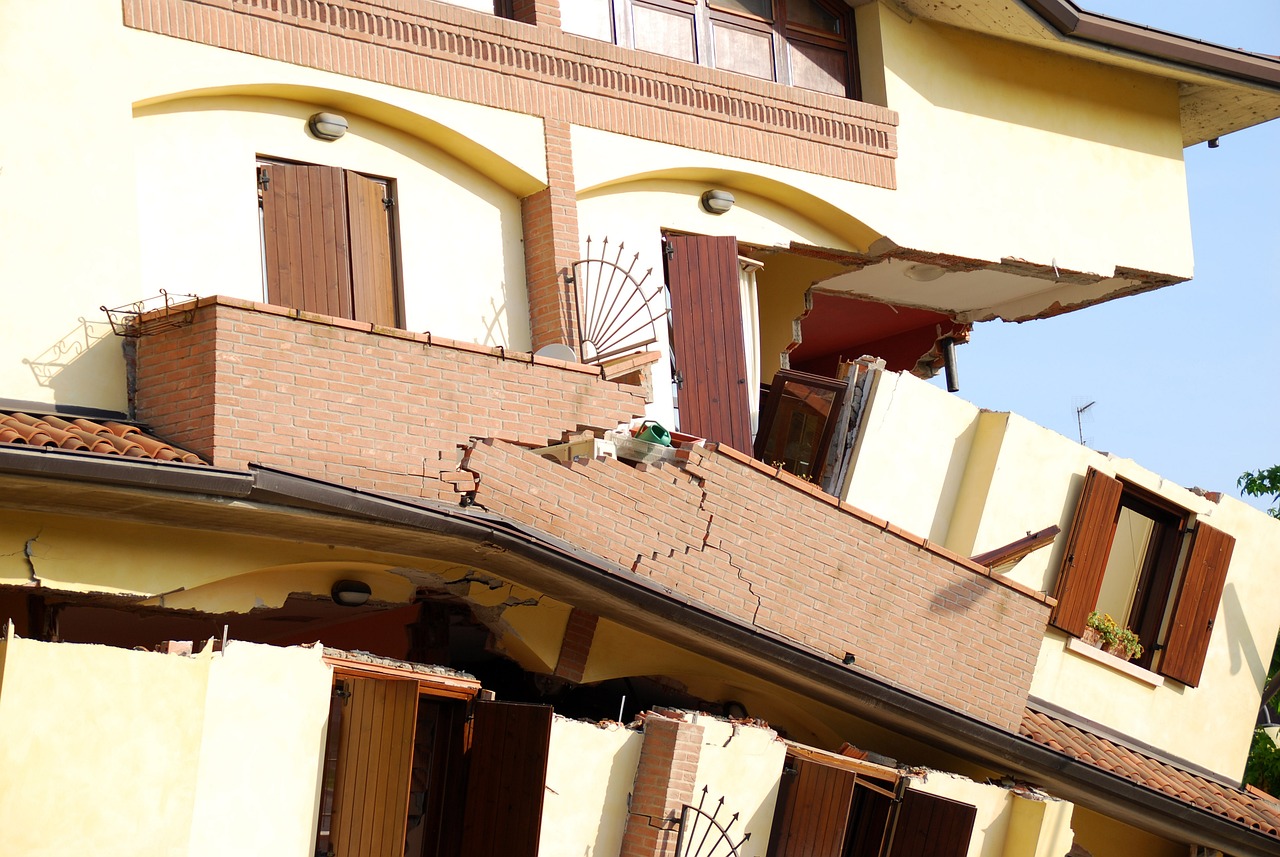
371	794
1196	606
812	815
506	778
707	339
304	225
932	826
1092	530
372	263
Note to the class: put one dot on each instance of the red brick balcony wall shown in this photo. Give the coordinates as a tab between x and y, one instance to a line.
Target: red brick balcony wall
331	399
770	550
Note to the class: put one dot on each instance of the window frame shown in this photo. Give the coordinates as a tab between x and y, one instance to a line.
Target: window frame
705	16
1180	585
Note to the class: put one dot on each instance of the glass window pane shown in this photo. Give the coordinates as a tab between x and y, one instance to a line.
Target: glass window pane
744	51
590	18
819	68
759	8
797	428
811	14
663	31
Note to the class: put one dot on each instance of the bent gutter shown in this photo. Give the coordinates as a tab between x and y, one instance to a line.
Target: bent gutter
1075	23
784	661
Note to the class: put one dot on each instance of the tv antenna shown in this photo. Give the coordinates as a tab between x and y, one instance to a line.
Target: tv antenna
1080	409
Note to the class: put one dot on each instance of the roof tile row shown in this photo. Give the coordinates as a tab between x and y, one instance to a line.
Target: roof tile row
1259	812
82	435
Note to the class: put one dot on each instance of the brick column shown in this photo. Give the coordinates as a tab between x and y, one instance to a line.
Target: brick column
576	646
550	221
664	783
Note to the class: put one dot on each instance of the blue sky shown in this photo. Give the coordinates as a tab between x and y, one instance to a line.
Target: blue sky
1186	379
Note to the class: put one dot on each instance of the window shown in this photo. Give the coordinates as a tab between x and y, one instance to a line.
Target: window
328	241
805	43
797	421
833	809
1123	558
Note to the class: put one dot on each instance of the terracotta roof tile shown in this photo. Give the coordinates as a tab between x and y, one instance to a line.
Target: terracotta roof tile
1247	809
82	435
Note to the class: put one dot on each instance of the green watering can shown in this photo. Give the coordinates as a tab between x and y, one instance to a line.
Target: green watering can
651	432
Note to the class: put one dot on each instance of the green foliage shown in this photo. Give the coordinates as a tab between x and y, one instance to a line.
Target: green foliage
1262	483
1113	636
1263	768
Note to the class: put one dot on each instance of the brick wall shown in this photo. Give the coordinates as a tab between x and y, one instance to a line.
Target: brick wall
772	551
333	399
549	219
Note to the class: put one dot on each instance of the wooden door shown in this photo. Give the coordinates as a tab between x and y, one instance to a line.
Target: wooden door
932	826
372	273
507	773
371	789
708	352
813	810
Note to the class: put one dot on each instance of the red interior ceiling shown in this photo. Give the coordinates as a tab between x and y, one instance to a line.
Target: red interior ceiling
848	327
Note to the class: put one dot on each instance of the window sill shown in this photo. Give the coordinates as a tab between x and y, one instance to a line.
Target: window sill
1093	653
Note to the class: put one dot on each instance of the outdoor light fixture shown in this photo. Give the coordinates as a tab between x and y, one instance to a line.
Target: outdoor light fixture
327	126
350	593
923	273
716	201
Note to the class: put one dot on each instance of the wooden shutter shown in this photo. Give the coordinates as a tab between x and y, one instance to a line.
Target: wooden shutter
506	778
371	794
1196	606
812	815
304	226
1092	530
372	263
932	826
707	339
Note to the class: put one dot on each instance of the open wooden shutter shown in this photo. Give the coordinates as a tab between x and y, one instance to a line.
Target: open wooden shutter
1196	606
932	826
506	778
707	339
371	791
305	241
1092	530
372	272
812	815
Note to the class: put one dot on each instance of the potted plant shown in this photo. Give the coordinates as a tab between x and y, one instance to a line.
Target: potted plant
1105	633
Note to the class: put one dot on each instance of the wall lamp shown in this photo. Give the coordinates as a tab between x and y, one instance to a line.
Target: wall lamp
327	126
351	593
716	201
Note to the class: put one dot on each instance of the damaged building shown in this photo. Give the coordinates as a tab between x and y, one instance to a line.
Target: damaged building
494	428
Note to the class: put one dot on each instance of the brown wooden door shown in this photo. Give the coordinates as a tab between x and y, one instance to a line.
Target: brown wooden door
708	351
371	791
1088	545
812	815
507	773
1197	605
932	826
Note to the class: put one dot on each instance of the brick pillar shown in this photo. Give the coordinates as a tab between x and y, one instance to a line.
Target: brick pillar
544	13
550	221
664	783
576	646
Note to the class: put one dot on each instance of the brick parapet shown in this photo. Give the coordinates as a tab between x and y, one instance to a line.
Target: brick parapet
248	383
760	549
460	53
549	219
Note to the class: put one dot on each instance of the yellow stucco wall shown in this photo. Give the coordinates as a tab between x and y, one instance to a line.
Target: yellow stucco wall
1006	824
120	752
973	481
743	764
1106	837
266	710
590	772
1010	151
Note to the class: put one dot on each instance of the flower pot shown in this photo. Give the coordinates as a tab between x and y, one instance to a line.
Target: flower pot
1092	637
1117	651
